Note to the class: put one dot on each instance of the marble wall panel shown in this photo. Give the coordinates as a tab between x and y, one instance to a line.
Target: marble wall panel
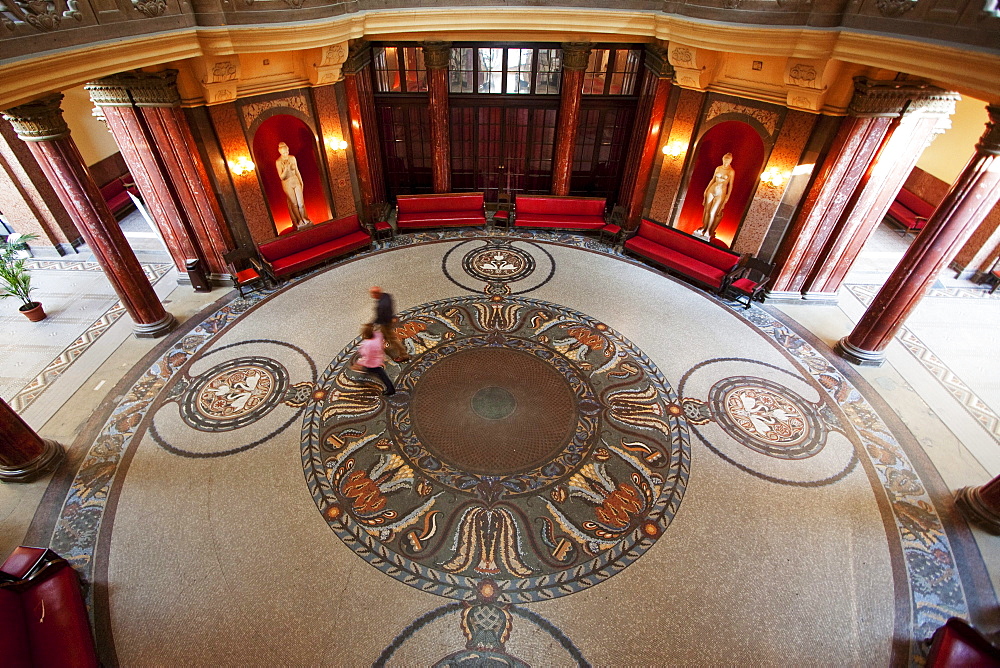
682	130
331	128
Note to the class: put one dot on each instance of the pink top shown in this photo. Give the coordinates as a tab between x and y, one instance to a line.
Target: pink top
371	352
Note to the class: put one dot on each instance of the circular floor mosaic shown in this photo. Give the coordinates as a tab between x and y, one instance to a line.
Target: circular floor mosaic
529	449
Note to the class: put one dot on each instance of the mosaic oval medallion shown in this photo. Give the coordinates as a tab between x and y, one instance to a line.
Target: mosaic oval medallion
527	444
495	262
767	417
500	265
234	393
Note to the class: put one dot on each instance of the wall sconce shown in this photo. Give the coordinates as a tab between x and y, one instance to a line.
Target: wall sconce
241	166
674	149
774	177
336	144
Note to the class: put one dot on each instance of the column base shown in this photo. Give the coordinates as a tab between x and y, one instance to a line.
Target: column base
52	454
859	356
971	504
777	296
155	330
821	297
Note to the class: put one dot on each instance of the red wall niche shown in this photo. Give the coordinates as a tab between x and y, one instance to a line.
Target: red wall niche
747	148
302	144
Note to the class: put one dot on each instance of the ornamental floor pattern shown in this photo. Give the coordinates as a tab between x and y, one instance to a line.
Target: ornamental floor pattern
702	472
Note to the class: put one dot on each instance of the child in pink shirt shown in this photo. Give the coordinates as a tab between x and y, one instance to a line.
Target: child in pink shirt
371	357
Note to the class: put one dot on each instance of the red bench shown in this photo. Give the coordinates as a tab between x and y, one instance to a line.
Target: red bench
555	212
958	644
302	249
445	210
683	254
116	194
43	617
910	211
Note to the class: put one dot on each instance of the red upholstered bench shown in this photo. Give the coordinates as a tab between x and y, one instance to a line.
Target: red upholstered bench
302	249
116	194
43	617
562	213
909	211
958	644
445	210
684	254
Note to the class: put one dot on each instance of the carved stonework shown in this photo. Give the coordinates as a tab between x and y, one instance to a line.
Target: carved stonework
141	89
882	99
576	55
894	8
329	69
42	15
436	55
681	56
358	56
656	61
253	110
224	70
150	8
767	118
41	120
802	74
989	143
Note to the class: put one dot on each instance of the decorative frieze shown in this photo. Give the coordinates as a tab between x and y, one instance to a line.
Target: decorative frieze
150	8
576	55
894	8
140	89
253	110
42	16
40	120
767	118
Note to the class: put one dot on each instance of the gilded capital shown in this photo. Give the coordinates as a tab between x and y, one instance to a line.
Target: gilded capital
576	55
41	120
989	143
359	55
885	99
436	55
140	89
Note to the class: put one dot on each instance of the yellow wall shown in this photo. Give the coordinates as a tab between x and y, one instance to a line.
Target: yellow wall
90	134
949	152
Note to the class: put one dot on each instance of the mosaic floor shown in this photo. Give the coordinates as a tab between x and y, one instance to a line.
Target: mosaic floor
586	463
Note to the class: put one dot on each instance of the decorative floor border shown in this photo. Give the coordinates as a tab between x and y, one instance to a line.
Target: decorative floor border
980	411
28	394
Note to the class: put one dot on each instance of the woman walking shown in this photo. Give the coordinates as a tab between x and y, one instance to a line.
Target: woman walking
371	357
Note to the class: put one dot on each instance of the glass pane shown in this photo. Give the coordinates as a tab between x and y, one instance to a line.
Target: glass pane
549	71
519	71
416	73
490	70
387	70
594	78
460	71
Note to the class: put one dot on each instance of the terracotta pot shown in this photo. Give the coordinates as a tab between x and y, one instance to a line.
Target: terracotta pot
33	311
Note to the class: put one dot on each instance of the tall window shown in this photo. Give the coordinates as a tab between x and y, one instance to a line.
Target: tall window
400	69
612	72
505	71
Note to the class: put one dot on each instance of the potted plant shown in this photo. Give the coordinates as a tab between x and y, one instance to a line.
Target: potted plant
15	280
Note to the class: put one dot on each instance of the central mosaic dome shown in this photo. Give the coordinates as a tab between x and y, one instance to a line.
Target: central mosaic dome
529	449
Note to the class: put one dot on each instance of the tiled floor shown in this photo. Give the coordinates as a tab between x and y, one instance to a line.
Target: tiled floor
744	546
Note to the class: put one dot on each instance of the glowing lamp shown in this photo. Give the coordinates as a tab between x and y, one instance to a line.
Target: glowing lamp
774	177
674	149
241	166
336	144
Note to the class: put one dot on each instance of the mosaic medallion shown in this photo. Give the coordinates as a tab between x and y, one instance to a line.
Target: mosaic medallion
498	262
767	417
527	444
502	265
234	393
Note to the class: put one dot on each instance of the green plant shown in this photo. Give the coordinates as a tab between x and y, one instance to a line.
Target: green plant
15	279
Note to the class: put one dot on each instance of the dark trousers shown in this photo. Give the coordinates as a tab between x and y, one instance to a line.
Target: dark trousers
383	376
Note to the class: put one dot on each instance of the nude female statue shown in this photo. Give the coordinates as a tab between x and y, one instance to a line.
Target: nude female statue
291	183
716	195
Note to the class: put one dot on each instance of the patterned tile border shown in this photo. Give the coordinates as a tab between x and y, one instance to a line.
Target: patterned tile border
54	369
980	411
935	588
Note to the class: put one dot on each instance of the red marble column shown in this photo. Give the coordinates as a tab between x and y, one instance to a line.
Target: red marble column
982	505
969	200
436	57
24	455
646	139
358	91
927	115
872	110
576	55
143	113
40	123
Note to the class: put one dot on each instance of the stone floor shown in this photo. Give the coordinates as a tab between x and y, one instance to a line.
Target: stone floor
237	495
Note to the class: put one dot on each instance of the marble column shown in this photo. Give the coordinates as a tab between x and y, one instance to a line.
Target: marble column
576	55
358	91
143	113
967	203
981	505
436	57
646	139
24	455
872	111
40	123
927	115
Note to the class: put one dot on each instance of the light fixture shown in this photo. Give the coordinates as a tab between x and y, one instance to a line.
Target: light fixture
674	149
241	166
336	144
774	177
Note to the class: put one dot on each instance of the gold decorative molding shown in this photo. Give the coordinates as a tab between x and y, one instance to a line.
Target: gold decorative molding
327	66
694	68
140	89
40	120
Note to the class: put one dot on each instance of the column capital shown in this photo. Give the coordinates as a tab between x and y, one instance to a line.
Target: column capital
436	55
359	55
883	99
576	55
140	89
657	62
989	143
40	120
